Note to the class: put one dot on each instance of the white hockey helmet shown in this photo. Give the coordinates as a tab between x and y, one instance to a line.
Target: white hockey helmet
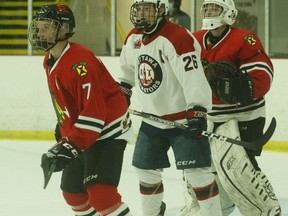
145	14
226	16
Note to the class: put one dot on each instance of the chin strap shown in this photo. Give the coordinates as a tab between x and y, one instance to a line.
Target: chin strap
154	28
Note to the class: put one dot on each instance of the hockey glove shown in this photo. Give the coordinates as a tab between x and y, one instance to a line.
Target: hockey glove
126	89
229	84
197	122
61	154
236	90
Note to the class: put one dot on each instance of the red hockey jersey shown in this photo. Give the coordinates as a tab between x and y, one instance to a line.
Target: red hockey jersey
88	102
244	49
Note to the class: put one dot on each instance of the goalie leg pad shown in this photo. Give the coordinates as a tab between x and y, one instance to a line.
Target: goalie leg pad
248	188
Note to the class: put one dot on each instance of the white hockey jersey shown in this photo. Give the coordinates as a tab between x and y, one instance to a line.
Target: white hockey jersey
166	72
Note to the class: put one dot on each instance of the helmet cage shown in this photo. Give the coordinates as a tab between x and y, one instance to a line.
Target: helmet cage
149	17
56	17
227	16
39	27
145	14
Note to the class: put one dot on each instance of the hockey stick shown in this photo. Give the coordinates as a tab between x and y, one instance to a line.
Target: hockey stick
48	165
256	145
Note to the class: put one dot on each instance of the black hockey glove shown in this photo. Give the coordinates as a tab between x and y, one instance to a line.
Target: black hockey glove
229	84
126	89
197	122
57	133
59	156
236	89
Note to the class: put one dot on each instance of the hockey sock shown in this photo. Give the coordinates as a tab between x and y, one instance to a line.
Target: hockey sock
203	193
206	190
103	196
80	204
151	197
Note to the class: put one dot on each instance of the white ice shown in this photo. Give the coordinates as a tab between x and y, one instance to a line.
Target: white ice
22	194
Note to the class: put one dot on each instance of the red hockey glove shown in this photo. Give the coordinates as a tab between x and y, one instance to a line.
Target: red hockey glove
197	122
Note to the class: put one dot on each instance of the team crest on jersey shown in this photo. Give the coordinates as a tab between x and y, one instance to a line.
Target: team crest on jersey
137	44
81	68
250	38
149	74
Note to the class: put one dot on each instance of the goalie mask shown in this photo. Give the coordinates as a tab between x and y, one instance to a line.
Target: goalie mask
146	14
53	23
216	13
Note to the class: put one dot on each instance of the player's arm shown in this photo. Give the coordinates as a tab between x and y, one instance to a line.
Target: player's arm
127	60
84	100
256	63
190	74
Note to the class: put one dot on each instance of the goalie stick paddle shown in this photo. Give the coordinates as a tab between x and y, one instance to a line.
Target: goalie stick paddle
256	145
48	167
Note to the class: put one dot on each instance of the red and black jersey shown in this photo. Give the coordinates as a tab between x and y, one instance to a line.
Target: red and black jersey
88	102
244	49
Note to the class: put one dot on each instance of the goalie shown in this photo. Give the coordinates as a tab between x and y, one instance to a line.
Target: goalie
240	74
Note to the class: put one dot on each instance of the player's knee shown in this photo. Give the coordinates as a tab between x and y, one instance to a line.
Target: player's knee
149	176
79	203
199	177
103	196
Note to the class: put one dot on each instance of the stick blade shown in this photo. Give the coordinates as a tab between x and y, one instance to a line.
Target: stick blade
48	165
267	135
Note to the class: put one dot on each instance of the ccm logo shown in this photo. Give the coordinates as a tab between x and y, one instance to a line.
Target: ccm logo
88	178
212	135
185	163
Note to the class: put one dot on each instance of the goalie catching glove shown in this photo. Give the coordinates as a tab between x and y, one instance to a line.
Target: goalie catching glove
230	84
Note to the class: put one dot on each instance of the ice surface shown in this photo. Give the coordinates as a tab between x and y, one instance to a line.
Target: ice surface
22	193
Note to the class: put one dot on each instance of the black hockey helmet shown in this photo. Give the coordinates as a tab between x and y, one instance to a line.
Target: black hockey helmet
58	15
58	12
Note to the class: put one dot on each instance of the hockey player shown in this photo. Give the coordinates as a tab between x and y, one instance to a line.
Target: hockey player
94	133
161	60
238	111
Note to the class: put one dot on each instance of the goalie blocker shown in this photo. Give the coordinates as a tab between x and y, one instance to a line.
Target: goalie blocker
230	84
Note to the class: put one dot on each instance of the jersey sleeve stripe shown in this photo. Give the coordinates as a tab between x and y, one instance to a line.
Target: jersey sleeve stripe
89	123
115	128
91	119
258	66
87	127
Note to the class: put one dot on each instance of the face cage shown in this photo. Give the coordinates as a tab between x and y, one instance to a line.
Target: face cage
147	21
34	36
212	6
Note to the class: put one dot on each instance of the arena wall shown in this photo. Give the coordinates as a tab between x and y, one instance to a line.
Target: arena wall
26	110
